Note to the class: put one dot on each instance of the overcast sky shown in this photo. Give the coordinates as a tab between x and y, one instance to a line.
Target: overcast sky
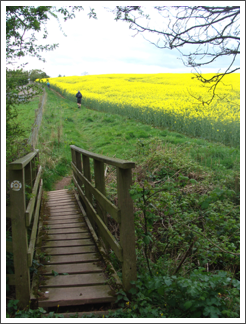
103	46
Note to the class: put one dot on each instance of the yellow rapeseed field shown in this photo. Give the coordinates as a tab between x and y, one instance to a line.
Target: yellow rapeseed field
164	100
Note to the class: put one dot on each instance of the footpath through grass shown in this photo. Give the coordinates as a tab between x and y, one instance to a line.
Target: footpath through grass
64	124
186	203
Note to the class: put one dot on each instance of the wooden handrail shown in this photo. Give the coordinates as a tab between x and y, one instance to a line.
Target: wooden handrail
111	161
123	214
25	178
22	162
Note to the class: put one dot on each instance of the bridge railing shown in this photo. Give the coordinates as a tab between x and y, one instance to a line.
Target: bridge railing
92	195
25	200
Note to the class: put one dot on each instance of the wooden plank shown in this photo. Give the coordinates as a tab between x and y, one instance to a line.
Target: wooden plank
63	221
104	230
127	230
58	237
111	161
90	267
59	203
31	204
76	280
74	258
58	191
68	209
70	250
106	204
76	296
57	217
70	225
68	230
100	248
19	164
19	237
68	243
32	242
65	214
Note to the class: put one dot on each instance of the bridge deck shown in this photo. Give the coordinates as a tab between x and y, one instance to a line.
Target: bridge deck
73	274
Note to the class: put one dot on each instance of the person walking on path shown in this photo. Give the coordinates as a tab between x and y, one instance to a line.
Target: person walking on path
48	84
79	97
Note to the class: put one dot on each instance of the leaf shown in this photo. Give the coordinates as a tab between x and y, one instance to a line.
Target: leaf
133	291
168	282
55	273
193	181
188	304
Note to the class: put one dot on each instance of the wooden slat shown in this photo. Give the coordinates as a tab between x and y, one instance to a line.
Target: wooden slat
68	230
90	267
63	237
76	296
63	221
72	225
64	214
76	280
106	204
74	258
104	230
57	203
34	227
57	217
31	204
68	243
70	250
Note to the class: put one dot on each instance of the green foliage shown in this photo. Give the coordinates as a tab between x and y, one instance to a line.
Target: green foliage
201	295
37	74
14	312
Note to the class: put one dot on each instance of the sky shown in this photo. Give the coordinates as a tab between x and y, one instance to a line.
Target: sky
104	46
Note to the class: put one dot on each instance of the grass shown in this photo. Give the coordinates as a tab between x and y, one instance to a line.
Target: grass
117	136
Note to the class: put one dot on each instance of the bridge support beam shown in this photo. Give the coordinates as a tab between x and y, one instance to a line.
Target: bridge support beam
127	232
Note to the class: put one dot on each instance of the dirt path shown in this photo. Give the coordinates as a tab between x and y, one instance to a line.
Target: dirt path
62	183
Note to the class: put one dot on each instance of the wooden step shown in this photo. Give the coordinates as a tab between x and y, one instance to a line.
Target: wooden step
70	249
76	296
68	243
69	230
89	267
77	280
63	237
74	258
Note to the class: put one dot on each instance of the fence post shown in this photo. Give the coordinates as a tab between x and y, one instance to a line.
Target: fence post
19	235
100	185
127	231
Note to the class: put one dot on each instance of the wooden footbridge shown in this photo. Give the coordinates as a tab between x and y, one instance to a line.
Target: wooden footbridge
68	231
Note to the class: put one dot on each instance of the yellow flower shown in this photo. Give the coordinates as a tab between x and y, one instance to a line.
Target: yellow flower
127	303
161	314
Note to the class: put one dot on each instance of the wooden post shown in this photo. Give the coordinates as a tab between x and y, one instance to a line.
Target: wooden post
78	163
19	236
100	185
28	177
127	232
